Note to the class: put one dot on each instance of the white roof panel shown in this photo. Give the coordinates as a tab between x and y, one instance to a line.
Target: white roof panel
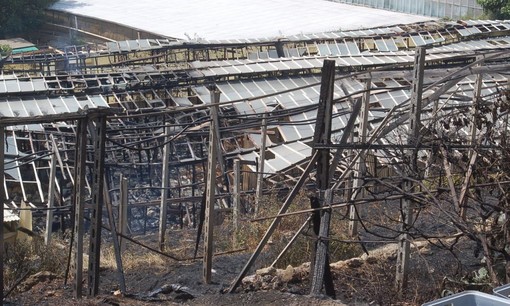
229	19
9	215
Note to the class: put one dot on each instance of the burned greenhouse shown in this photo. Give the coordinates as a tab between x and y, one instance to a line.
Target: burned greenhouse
160	133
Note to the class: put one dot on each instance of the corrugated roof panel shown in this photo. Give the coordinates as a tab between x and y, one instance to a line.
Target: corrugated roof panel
9	215
17	109
204	94
32	108
98	101
289	154
288	132
124	46
39	85
182	101
12	86
243	108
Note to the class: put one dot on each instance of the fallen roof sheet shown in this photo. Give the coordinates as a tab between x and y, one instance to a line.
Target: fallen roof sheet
224	19
9	216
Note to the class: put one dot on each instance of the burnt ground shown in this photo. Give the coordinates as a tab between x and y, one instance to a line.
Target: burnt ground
156	280
366	278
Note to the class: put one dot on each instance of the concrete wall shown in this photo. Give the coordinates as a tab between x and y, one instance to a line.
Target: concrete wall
454	9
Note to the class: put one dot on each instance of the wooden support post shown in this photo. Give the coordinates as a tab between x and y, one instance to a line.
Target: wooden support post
291	241
323	136
322	274
210	191
237	197
51	192
98	132
260	174
2	201
215	100
347	135
413	141
449	177
79	203
165	184
123	211
360	164
472	142
115	239
275	223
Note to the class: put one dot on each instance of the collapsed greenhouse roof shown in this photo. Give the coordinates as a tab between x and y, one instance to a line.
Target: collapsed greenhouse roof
162	85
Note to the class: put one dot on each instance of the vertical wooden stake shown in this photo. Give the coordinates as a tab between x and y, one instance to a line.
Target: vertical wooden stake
360	164
99	137
260	174
237	197
165	184
210	191
321	267
472	152
115	239
320	276
2	200
123	211
413	140
79	203
51	192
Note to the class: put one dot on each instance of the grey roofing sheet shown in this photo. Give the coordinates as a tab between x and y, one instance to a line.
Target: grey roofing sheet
9	215
47	106
285	156
288	155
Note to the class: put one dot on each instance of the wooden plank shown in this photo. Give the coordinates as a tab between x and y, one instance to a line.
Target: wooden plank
2	201
79	202
51	193
165	184
210	192
323	136
360	164
123	211
237	196
115	240
262	162
472	152
413	139
322	273
98	132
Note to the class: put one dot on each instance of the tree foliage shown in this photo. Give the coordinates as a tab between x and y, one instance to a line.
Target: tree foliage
496	8
18	17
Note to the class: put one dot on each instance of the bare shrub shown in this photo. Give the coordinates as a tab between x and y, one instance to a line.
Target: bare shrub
24	258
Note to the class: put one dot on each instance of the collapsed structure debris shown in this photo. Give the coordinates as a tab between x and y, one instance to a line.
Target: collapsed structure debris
77	124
